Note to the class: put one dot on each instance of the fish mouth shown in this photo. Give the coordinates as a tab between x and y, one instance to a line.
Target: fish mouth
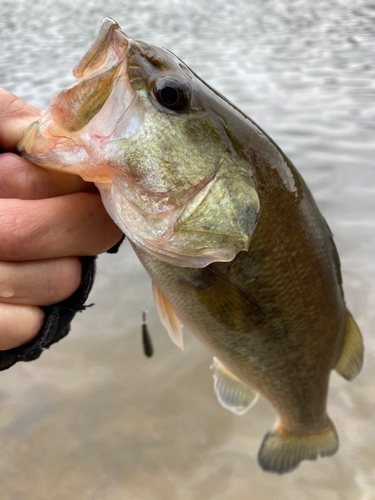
107	50
86	113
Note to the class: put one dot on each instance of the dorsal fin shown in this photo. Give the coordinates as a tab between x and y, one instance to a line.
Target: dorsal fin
231	392
351	359
168	317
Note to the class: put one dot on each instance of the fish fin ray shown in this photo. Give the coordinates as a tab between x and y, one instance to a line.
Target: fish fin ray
168	317
351	358
281	452
231	392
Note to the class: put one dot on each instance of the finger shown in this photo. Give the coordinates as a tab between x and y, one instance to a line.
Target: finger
15	116
19	325
21	179
75	224
41	283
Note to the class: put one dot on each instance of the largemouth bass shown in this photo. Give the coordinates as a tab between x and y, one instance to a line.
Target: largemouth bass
231	236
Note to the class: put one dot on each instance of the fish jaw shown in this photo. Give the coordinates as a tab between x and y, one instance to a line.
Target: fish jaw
80	119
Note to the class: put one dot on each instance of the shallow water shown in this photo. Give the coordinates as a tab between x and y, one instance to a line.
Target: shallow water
93	418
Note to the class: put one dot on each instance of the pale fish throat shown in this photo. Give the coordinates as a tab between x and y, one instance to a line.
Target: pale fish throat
213	226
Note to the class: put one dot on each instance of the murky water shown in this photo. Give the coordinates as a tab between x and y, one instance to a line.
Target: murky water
93	418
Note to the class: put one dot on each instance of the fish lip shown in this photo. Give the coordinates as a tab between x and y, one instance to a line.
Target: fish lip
110	40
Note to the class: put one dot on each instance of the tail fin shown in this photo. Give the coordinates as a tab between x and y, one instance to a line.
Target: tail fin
281	452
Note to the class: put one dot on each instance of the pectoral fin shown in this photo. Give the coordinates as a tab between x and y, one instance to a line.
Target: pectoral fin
168	317
351	359
231	392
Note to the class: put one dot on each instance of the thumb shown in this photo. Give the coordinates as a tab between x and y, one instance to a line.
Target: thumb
15	116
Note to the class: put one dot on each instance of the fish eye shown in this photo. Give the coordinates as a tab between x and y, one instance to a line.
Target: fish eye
172	93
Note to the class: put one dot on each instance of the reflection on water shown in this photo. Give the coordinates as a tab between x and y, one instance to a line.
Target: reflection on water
93	416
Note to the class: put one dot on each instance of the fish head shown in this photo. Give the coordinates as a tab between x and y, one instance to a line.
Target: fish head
142	126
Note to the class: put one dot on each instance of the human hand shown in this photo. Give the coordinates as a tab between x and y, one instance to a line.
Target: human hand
47	219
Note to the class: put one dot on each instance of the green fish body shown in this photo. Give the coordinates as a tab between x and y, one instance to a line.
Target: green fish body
231	236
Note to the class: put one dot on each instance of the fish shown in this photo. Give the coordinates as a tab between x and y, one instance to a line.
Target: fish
235	245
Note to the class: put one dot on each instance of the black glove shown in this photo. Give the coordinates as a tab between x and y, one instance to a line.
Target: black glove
57	317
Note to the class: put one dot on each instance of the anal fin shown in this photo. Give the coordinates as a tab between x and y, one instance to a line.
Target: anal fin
231	392
168	317
351	359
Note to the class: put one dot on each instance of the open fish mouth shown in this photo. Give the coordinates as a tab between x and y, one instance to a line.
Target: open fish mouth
108	48
103	67
85	115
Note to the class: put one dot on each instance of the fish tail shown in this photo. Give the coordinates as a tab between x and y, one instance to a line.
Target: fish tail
282	452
